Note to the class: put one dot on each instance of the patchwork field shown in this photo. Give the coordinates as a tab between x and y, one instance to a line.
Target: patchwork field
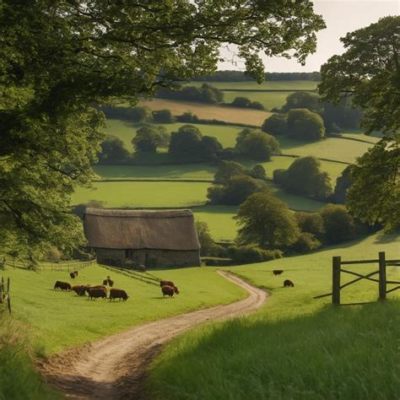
205	111
62	319
294	346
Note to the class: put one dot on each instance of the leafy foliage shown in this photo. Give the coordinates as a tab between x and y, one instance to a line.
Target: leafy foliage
275	125
307	100
204	94
149	137
113	151
227	170
266	221
339	224
256	145
303	124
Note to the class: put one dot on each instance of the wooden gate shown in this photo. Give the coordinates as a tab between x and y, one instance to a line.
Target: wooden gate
337	269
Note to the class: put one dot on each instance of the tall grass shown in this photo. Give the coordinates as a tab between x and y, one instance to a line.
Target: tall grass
334	354
18	378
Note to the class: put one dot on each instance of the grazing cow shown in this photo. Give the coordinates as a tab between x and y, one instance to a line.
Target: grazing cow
87	287
169	290
96	292
80	290
167	283
72	275
62	285
277	271
288	283
118	294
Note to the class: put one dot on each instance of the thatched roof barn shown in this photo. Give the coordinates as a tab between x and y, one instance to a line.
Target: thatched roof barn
138	237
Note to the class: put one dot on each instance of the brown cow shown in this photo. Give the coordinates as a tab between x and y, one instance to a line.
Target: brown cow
80	290
62	285
72	275
118	294
169	290
167	283
277	271
288	283
96	292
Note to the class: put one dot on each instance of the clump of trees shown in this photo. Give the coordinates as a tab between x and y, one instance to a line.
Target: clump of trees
203	94
244	102
304	177
149	137
113	151
275	125
309	100
256	145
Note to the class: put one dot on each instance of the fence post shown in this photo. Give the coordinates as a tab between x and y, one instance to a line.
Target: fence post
382	276
336	263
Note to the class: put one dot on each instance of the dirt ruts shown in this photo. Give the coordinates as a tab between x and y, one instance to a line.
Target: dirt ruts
114	368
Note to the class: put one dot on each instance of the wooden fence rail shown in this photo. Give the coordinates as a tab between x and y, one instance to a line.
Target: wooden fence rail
382	281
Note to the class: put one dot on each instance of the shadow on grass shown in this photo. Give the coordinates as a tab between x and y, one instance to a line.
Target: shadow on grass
337	353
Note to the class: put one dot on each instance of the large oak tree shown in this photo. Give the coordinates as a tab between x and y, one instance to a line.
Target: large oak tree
369	72
61	59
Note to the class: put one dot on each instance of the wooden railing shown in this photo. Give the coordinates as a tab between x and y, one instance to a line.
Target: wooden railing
382	281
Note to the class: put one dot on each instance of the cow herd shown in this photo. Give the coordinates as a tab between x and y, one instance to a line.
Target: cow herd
286	282
106	290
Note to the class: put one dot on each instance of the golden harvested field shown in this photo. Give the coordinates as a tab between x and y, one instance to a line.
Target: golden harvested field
209	111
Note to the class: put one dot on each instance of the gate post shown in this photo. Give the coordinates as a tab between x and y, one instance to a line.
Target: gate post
382	276
336	263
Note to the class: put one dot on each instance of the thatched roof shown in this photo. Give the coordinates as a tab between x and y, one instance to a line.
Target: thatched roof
137	229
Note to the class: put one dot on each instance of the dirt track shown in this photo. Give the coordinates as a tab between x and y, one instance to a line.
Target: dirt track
114	368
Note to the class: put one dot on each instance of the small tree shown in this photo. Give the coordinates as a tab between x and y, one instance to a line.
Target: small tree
305	125
227	170
308	100
113	151
256	145
343	183
210	147
338	223
163	116
311	223
141	114
258	172
242	102
267	221
207	244
234	192
185	143
275	125
304	177
149	137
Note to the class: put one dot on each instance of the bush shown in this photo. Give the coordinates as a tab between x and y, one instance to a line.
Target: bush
275	125
227	170
343	183
149	137
306	243
278	176
227	154
163	116
311	223
338	223
233	192
258	172
207	244
204	94
304	177
256	145
135	114
310	101
244	102
305	125
185	143
188	118
252	254
210	147
113	151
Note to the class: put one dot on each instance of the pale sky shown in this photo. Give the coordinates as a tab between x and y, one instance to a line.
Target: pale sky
341	16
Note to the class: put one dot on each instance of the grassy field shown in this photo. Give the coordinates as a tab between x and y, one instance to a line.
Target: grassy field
226	134
295	347
331	148
269	100
144	194
208	111
62	319
267	85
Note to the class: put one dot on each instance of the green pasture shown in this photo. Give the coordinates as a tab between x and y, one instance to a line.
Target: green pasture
331	148
267	85
143	194
126	131
62	319
295	347
269	100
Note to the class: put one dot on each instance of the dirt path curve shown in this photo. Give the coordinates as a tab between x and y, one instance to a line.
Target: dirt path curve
114	368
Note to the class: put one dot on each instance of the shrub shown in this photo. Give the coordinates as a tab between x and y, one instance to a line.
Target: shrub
163	116
204	94
278	176
275	125
338	223
113	151
227	170
207	244
258	172
188	118
210	147
343	183
256	145
185	143
306	243
310	101
234	191
149	137
311	223
252	254
244	102
304	177
227	154
305	125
